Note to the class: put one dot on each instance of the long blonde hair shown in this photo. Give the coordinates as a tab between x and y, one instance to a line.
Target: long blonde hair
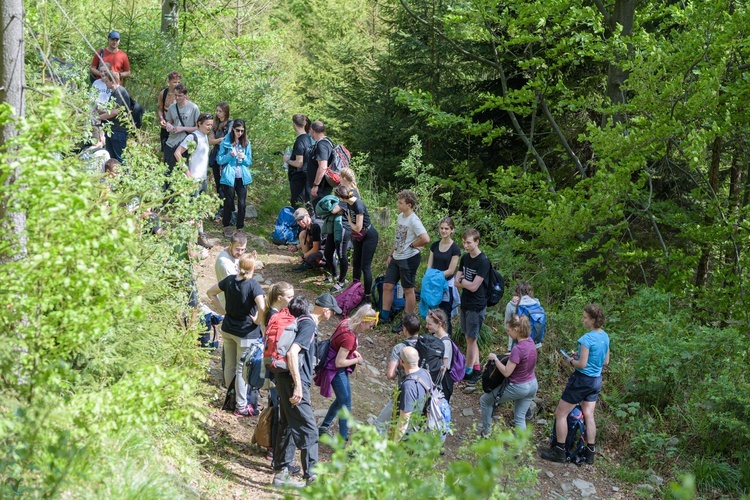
347	174
246	266
277	290
358	317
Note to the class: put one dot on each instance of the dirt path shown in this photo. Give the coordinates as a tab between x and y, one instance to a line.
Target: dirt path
243	471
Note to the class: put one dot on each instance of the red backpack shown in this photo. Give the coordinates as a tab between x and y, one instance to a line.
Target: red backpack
280	333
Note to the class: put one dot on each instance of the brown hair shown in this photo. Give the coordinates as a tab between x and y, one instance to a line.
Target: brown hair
448	221
521	325
409	198
238	237
524	288
440	317
302	121
318	127
181	88
224	107
246	266
596	313
470	233
344	192
172	75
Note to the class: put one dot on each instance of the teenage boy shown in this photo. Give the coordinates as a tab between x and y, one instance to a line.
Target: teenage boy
410	330
309	241
180	120
473	269
405	258
111	54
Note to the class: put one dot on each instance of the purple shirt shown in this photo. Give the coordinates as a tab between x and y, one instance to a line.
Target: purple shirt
523	355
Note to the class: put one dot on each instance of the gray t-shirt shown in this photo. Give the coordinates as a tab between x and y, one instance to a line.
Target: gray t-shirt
448	350
189	114
408	229
413	395
396	353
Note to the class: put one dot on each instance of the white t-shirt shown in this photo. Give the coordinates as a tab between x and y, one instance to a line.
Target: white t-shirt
408	230
100	93
198	166
226	265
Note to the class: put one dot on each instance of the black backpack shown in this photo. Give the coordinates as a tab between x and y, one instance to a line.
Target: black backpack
495	287
431	353
308	154
492	378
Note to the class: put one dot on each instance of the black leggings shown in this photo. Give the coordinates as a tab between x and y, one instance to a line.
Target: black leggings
241	190
364	251
343	251
328	253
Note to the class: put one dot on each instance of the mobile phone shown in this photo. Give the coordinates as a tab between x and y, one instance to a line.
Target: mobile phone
567	356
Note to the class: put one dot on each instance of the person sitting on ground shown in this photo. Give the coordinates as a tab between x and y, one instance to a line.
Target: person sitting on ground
437	323
244	312
519	371
412	394
523	296
345	358
297	419
226	262
403	262
583	386
410	325
309	241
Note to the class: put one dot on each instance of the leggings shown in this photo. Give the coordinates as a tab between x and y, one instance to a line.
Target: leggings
364	251
328	253
343	251
229	191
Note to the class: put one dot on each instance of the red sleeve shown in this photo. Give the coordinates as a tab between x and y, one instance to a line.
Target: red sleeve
344	337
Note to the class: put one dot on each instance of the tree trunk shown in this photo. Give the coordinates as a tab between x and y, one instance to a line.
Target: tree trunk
12	82
623	15
170	10
701	272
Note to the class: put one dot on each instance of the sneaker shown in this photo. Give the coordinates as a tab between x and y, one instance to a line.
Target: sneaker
397	327
589	454
302	267
337	287
322	431
228	232
294	469
283	479
203	241
554	454
475	377
310	480
244	412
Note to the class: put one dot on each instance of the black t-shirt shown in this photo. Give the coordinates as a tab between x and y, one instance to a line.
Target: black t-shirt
240	304
306	334
413	395
323	152
442	260
121	99
473	267
301	144
351	211
313	234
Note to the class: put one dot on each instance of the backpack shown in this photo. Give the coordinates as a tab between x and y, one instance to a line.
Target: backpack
209	339
339	160
495	287
492	378
280	334
458	364
350	297
307	154
262	434
436	409
431	351
537	320
93	77
251	364
321	354
576	441
286	230
397	305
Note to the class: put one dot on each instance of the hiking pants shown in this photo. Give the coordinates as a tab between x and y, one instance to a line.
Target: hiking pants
300	193
296	422
521	394
233	351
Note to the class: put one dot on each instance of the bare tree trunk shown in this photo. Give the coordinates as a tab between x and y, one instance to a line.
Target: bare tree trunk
170	10
12	81
701	272
622	15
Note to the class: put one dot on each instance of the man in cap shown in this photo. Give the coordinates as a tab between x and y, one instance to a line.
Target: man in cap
297	419
117	59
309	241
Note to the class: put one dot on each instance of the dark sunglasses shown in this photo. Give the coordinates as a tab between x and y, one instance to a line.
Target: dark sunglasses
239	130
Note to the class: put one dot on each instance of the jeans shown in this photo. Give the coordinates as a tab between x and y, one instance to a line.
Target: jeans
343	392
233	351
241	190
115	143
521	394
364	251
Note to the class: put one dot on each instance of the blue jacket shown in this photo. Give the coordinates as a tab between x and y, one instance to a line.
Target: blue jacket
434	286
229	162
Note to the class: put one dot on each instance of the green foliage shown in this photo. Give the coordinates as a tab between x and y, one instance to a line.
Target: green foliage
372	466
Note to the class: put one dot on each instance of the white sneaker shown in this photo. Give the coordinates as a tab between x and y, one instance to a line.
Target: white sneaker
283	479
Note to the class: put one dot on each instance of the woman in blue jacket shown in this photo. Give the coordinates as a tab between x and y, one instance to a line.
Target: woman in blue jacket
235	157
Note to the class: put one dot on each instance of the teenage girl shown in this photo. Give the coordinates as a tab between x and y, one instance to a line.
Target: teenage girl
437	324
444	255
222	125
236	155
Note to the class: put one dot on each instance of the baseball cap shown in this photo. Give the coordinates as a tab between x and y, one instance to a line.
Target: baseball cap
327	300
114	34
300	213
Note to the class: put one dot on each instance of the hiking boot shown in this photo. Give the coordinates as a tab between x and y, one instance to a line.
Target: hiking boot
397	327
475	377
228	232
555	454
283	479
589	452
203	241
302	267
310	480
322	431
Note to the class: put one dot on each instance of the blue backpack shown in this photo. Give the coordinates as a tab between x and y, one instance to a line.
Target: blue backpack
537	320
576	440
286	230
397	305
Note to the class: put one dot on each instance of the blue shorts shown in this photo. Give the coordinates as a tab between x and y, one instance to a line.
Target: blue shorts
581	388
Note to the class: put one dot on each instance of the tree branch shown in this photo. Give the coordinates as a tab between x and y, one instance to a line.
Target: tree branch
605	14
562	138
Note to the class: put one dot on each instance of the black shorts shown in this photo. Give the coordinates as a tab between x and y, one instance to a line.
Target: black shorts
404	270
581	388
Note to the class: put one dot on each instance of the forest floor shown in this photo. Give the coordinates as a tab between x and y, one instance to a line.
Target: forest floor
241	470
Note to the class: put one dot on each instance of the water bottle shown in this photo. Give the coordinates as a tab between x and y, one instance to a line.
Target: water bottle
287	152
399	291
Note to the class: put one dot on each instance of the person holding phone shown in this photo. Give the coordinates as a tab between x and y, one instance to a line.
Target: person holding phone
583	386
236	155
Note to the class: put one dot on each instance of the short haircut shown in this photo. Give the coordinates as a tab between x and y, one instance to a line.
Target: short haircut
203	117
596	313
520	324
111	165
239	237
181	88
409	356
470	233
318	127
173	75
409	197
299	306
524	288
411	323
